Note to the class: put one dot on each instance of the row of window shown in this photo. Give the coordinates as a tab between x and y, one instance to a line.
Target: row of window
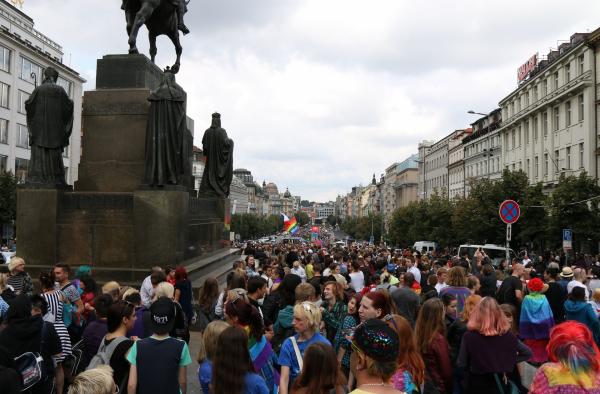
481	168
437	182
21	167
557	162
523	129
481	145
545	86
22	140
30	71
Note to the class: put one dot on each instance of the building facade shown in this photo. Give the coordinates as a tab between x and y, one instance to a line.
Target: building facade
24	54
436	168
238	196
456	168
548	126
424	149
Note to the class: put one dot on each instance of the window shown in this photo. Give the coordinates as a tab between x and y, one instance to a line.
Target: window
3	163
66	85
535	128
513	166
520	166
4	59
581	155
535	93
556	118
21	166
23	96
22	136
28	68
545	123
545	164
506	141
4	95
567	72
555	80
519	140
3	131
568	112
581	64
514	139
527	99
526	132
545	87
568	158
556	158
581	107
512	106
536	169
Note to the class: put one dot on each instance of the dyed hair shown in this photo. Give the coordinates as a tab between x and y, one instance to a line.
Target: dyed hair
470	303
457	277
381	300
488	319
232	362
572	345
356	297
310	312
321	372
181	273
429	323
409	358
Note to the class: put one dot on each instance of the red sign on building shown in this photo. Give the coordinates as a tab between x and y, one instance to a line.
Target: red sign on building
525	69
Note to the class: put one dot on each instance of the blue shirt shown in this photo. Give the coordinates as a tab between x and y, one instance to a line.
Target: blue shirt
205	375
287	355
3	309
255	384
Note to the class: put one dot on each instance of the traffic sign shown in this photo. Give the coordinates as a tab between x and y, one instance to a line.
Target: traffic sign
567	238
509	211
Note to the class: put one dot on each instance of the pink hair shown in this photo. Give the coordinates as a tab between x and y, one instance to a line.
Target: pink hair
380	301
572	345
488	319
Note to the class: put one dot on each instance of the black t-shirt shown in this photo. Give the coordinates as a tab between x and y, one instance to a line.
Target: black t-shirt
556	296
118	362
506	292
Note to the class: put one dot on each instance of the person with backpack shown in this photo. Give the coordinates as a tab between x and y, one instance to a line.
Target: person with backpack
115	345
158	363
73	304
26	337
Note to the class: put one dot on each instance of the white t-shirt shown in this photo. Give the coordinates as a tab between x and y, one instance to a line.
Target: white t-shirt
575	283
357	280
417	274
440	286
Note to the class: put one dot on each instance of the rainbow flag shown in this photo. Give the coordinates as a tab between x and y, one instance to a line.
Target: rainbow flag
290	225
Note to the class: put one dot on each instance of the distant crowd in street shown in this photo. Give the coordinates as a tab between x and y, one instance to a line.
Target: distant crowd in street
311	318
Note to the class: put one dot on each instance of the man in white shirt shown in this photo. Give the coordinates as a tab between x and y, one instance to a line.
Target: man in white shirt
442	276
147	289
579	277
411	267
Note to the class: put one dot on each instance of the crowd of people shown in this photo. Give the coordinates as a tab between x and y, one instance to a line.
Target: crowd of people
305	318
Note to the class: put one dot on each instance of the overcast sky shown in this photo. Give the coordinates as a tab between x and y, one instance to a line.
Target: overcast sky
319	95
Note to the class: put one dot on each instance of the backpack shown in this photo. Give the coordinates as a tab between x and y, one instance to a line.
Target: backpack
30	365
105	352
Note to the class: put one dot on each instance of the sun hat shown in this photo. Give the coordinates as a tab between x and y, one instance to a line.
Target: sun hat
567	272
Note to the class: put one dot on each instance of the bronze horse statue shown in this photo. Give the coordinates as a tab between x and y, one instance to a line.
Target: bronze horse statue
160	17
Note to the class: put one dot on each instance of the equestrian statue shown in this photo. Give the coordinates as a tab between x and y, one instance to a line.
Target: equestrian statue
160	17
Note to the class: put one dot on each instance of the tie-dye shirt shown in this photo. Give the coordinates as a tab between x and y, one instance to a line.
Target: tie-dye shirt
554	378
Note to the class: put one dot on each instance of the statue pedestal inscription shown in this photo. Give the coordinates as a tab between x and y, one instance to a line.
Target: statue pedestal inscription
110	220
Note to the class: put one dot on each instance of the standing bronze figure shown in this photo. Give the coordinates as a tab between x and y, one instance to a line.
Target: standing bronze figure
160	17
218	171
49	122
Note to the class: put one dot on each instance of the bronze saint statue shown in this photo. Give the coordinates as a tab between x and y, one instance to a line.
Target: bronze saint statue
50	122
218	170
160	17
167	156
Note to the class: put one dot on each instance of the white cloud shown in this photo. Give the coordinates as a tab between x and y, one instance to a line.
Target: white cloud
319	95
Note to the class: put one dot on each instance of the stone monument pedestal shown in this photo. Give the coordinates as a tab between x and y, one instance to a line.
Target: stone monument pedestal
110	220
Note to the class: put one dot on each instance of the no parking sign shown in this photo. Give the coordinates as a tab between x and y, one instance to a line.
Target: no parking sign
509	211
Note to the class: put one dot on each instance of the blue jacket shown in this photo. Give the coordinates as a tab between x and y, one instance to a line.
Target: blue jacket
583	312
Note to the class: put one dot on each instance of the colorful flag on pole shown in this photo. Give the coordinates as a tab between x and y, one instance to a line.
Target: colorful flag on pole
290	225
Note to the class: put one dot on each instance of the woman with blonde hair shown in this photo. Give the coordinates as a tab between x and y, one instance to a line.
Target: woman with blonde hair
306	321
18	279
489	351
207	352
98	380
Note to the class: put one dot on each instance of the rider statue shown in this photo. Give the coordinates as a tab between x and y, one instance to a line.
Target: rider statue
180	5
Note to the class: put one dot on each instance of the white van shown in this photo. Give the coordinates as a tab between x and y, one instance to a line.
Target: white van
495	252
425	246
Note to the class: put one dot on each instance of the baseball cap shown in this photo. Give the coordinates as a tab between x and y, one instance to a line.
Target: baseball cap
162	315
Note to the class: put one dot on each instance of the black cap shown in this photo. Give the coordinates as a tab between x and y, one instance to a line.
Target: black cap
377	340
162	315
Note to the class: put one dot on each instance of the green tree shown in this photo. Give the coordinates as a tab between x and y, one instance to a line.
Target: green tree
8	198
332	220
302	218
